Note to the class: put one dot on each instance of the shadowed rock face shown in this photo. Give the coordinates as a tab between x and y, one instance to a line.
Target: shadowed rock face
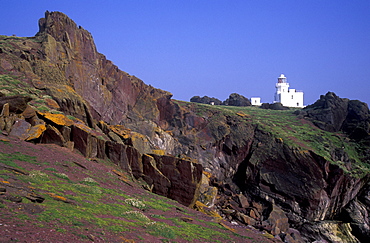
334	114
237	100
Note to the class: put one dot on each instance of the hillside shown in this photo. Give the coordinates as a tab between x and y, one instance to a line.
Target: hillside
297	175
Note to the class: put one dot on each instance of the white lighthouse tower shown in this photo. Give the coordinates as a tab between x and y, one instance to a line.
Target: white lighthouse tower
287	97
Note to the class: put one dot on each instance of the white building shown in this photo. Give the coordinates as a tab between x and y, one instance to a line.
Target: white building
287	97
256	101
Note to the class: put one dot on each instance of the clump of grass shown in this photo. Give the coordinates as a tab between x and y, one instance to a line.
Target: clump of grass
88	189
62	176
89	181
160	230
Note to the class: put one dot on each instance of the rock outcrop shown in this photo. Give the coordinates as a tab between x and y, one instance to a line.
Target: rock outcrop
334	114
237	100
206	100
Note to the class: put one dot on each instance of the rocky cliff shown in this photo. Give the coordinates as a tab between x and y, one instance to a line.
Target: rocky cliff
301	177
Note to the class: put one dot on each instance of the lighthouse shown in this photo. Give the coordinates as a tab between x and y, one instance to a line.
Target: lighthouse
285	96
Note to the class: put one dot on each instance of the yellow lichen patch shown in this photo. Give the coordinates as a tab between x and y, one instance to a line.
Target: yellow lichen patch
57	197
242	114
126	240
6	182
304	152
58	119
227	227
201	207
120	130
207	174
36	131
268	235
4	139
159	152
170	133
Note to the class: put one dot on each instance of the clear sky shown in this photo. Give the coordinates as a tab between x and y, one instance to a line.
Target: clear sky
219	47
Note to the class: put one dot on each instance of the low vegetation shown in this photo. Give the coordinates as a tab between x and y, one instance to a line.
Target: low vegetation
94	202
288	128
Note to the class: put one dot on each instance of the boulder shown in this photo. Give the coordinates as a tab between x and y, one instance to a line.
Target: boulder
20	129
237	100
206	100
17	103
274	106
277	221
52	135
35	132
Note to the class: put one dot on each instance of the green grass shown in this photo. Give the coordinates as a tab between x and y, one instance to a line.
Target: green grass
283	125
9	159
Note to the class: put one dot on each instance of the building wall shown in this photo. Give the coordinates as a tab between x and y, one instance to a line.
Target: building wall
256	101
292	98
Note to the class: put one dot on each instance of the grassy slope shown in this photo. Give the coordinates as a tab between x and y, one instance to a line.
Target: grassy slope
93	200
297	133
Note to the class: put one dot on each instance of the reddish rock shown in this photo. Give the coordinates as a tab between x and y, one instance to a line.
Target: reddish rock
52	135
20	129
17	103
117	154
184	175
154	177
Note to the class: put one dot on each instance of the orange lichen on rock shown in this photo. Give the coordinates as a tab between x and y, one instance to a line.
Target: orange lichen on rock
201	207
57	197
120	130
242	114
36	131
159	152
58	119
226	227
126	240
207	174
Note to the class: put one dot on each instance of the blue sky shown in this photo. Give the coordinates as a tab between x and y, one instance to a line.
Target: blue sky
218	47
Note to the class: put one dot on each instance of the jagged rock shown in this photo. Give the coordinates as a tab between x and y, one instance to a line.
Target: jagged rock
244	203
206	100
237	100
5	110
52	135
153	176
357	123
329	231
134	158
17	104
87	141
184	177
35	132
207	193
117	154
57	119
358	215
274	106
333	114
20	129
34	197
277	221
